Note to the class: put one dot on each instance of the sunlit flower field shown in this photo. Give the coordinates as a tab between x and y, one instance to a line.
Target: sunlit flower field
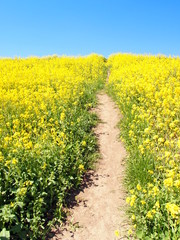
46	139
147	90
46	142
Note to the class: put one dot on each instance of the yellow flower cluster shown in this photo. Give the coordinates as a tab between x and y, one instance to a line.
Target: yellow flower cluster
173	209
147	90
44	134
34	97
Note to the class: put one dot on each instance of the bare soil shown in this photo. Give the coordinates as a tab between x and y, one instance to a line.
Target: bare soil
99	207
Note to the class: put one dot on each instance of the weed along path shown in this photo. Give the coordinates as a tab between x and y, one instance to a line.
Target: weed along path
99	208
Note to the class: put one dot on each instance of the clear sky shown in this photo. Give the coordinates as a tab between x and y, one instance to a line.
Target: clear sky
80	27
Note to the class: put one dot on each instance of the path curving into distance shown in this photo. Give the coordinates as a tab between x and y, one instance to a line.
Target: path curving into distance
99	207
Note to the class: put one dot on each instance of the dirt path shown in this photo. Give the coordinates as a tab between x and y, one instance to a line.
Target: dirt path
99	208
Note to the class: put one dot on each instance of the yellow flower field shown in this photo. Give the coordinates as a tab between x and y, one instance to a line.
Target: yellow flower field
46	142
45	136
147	90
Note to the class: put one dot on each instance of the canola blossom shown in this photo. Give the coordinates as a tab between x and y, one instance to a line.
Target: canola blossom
46	142
147	90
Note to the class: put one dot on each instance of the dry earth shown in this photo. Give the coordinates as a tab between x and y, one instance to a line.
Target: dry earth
99	207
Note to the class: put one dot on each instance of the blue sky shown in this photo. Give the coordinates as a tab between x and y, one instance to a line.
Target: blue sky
80	27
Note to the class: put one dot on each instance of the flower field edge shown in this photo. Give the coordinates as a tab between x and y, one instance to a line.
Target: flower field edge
46	142
147	91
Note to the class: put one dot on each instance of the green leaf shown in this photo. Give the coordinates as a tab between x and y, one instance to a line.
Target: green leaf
4	234
147	238
139	234
20	204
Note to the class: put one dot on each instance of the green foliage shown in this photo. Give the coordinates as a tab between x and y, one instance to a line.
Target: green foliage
146	89
38	170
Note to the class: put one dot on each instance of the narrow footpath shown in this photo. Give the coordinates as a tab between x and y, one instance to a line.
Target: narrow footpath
100	208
